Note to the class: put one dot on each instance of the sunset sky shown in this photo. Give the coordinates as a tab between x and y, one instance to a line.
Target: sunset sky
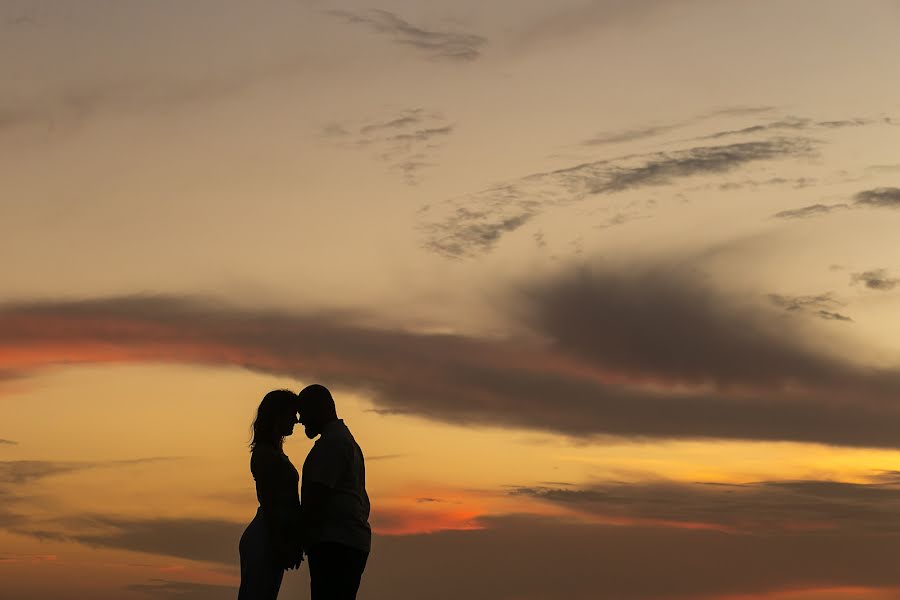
606	290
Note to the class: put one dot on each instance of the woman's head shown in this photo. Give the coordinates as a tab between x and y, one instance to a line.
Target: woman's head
275	418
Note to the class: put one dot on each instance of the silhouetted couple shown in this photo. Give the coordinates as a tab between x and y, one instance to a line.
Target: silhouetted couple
328	520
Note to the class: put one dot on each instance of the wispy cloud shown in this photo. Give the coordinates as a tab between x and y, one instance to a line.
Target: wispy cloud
626	563
754	507
812	210
883	197
638	133
822	305
440	45
183	590
212	540
8	442
24	471
876	279
644	352
474	224
407	141
565	21
796	124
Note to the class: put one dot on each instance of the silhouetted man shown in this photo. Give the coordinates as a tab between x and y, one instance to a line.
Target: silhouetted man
333	499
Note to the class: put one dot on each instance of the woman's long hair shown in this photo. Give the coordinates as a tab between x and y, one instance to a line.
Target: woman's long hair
274	406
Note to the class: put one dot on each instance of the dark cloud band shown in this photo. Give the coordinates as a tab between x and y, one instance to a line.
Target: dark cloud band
643	353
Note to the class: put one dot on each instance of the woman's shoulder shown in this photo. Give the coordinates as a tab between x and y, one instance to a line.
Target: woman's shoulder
264	454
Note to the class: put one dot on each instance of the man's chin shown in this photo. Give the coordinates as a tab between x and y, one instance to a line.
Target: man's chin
310	433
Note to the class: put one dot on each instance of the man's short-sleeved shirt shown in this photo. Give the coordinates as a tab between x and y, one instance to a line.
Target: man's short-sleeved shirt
336	461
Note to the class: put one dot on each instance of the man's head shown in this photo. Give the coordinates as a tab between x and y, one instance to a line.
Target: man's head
316	409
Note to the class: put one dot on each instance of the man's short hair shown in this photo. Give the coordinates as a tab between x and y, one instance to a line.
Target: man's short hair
318	397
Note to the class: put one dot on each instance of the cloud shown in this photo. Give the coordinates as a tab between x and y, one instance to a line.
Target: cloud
439	45
796	183
475	224
526	556
8	442
875	280
810	211
183	590
407	118
564	22
408	141
822	305
642	352
751	508
766	537
883	197
795	124
385	457
24	471
639	133
884	168
211	540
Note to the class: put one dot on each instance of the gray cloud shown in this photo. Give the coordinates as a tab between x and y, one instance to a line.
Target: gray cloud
408	118
408	141
8	442
810	211
875	280
796	183
183	590
749	507
564	21
822	305
884	168
475	224
441	45
639	133
421	135
23	471
796	124
636	352
883	197
509	558
533	557
385	457
212	540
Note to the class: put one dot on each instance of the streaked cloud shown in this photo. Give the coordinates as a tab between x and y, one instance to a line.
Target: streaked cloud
810	211
821	305
752	508
639	133
440	45
563	22
882	197
408	141
183	590
8	442
876	279
212	540
797	124
626	563
474	225
639	352
24	471
629	560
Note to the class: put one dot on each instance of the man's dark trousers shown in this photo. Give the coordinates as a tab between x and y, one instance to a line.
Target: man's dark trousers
335	570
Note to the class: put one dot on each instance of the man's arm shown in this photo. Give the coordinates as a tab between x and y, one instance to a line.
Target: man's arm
316	497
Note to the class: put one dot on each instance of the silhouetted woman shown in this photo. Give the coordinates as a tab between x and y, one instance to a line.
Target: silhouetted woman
271	542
